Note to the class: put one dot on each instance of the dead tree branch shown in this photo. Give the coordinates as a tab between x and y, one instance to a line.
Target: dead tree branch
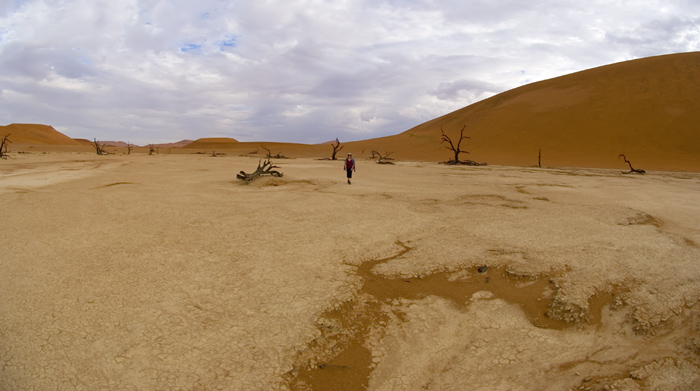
3	146
265	168
385	159
99	147
632	169
336	148
270	155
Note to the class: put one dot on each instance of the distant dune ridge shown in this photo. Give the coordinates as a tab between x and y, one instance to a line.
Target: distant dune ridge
647	109
121	144
36	134
211	143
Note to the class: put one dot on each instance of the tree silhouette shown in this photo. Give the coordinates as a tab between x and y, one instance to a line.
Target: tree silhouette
456	149
3	146
632	169
99	147
336	148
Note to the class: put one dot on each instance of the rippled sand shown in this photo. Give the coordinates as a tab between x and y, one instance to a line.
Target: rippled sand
164	272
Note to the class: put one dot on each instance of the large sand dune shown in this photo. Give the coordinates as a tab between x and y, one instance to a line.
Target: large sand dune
164	273
30	134
647	109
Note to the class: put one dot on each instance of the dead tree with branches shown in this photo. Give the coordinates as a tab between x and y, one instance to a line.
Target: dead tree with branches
632	169
99	147
151	149
3	146
265	168
128	147
269	154
457	149
336	148
382	159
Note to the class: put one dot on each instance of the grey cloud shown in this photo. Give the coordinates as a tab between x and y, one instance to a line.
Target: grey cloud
457	89
301	71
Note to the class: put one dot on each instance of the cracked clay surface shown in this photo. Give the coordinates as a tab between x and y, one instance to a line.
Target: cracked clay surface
165	273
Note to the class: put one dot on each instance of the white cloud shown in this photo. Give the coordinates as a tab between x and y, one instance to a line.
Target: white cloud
304	71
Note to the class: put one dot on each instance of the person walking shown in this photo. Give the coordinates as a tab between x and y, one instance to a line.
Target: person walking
349	166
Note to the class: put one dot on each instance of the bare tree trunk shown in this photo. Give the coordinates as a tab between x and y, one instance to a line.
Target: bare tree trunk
382	159
3	146
336	148
539	158
269	153
456	149
632	169
99	147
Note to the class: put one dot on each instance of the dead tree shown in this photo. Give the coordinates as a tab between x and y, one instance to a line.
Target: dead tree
269	153
128	148
336	148
456	149
151	149
382	159
265	168
539	158
99	147
632	169
3	146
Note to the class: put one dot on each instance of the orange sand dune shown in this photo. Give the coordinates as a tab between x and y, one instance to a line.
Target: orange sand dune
28	134
647	109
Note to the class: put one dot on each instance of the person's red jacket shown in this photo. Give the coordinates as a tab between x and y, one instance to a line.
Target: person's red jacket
349	164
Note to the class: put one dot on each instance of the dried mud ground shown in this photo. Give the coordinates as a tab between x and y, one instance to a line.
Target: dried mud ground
165	273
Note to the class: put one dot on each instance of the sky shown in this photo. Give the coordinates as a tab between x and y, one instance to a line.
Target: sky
310	71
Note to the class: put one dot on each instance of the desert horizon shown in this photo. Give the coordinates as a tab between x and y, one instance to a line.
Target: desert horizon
645	109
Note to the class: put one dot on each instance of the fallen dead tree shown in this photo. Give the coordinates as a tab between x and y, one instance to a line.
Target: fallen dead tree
382	159
465	163
265	168
632	169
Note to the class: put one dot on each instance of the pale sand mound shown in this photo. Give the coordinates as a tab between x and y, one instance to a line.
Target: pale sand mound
164	272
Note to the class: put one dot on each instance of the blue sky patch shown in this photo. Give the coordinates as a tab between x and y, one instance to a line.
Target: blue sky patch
190	47
228	43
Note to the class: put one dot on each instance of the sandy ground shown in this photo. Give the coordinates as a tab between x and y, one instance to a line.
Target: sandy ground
165	273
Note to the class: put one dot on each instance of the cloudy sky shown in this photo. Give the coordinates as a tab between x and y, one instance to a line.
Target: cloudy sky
302	71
